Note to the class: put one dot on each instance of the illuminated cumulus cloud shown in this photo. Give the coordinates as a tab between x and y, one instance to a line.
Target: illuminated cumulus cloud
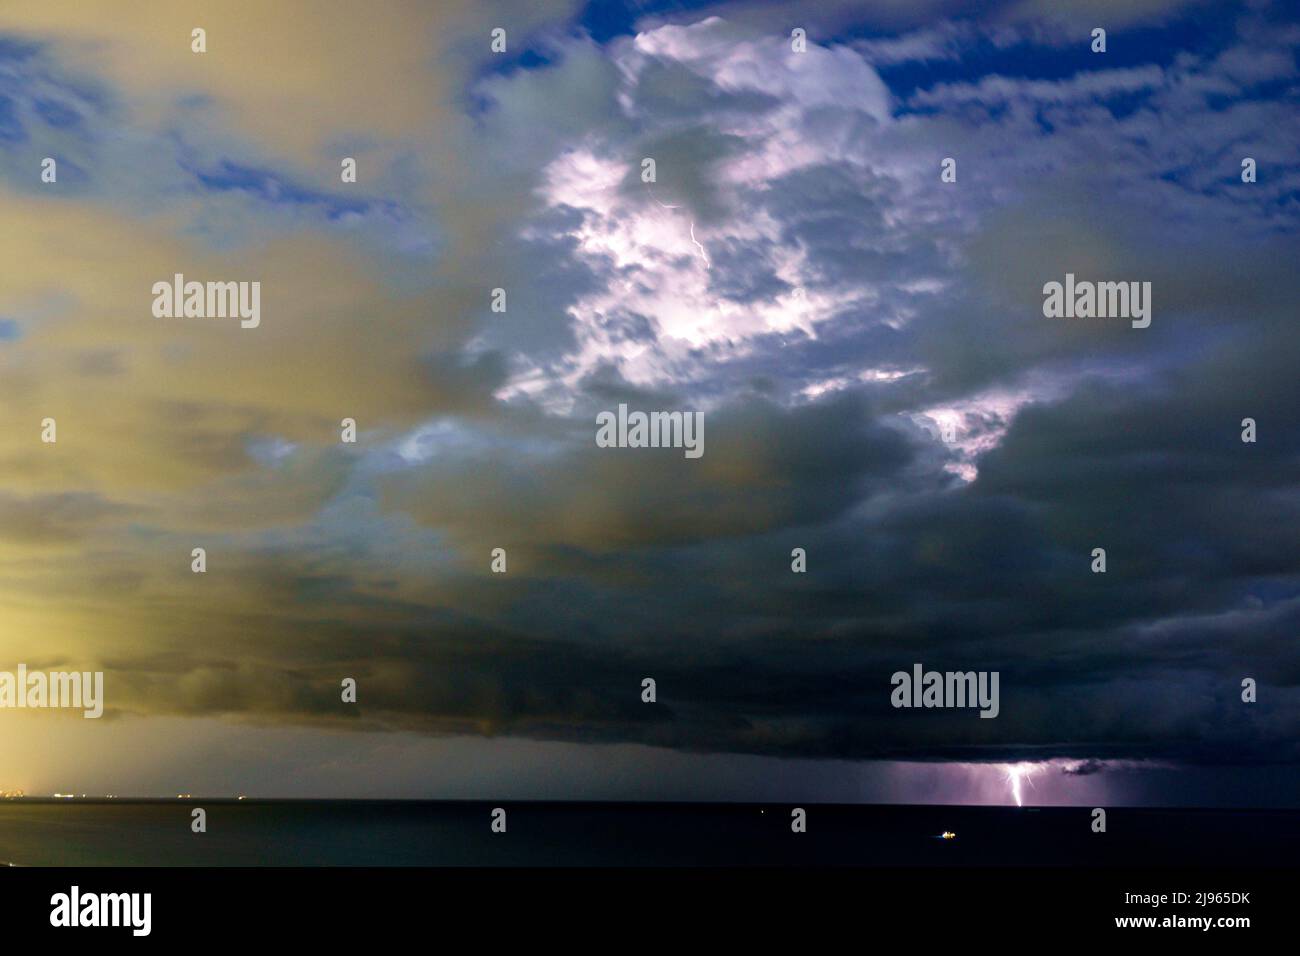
705	268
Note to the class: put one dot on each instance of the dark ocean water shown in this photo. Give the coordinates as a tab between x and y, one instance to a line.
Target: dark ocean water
415	833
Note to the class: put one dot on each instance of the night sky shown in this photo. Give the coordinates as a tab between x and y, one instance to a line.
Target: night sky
798	272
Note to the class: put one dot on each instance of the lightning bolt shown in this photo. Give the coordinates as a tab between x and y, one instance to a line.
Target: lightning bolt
650	190
1018	773
703	254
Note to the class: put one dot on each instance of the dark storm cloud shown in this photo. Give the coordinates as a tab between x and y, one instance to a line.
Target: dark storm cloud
627	564
693	588
764	468
1084	768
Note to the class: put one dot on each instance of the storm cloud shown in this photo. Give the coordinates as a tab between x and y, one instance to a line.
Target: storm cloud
866	343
